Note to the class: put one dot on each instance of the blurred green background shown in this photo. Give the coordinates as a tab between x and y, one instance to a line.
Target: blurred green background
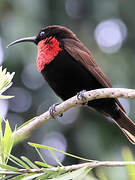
107	28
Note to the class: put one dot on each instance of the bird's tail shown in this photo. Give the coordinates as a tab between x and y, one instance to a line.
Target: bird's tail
126	125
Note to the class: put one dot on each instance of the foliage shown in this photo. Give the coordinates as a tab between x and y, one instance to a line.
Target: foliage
5	82
128	156
30	170
27	170
6	142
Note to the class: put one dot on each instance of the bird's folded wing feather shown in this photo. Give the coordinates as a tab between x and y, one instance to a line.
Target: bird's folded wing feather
80	53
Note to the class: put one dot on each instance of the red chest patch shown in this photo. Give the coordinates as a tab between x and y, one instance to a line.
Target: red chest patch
47	52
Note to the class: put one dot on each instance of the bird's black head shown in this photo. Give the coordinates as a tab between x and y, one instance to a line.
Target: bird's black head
59	32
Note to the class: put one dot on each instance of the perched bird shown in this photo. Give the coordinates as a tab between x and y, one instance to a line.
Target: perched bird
69	67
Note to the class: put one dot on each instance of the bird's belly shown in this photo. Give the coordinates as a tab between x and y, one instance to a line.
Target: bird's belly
67	77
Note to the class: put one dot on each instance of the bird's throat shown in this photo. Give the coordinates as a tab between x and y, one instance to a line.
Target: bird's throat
47	51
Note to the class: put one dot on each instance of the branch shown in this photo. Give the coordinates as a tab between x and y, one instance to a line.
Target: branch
94	164
72	102
70	168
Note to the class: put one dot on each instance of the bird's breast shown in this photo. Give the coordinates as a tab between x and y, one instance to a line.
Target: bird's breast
47	51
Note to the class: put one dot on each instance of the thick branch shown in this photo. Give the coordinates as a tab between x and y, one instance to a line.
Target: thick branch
72	102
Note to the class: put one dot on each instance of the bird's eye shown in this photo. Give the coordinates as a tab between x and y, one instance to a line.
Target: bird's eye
42	33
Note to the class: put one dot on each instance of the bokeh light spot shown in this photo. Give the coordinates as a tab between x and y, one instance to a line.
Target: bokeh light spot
15	120
55	140
31	78
22	100
110	34
69	116
3	107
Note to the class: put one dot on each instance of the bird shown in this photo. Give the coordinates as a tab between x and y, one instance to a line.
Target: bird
70	68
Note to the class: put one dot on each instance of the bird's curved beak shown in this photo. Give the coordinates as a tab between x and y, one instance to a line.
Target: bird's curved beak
28	39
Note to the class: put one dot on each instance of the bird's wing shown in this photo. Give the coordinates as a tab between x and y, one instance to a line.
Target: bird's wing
80	53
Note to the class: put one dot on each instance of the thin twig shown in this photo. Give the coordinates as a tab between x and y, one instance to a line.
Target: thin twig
92	164
72	102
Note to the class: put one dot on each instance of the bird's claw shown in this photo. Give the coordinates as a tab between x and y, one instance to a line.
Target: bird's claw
52	110
80	96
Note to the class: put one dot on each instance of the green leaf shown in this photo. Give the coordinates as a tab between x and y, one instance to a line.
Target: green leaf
9	168
7	140
31	176
50	173
43	177
43	164
5	81
8	172
74	174
26	123
7	177
56	150
5	97
47	176
55	157
40	155
19	177
21	163
83	175
100	174
12	160
128	156
31	164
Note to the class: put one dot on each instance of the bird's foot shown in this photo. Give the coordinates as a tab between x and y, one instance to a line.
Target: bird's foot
80	96
52	110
